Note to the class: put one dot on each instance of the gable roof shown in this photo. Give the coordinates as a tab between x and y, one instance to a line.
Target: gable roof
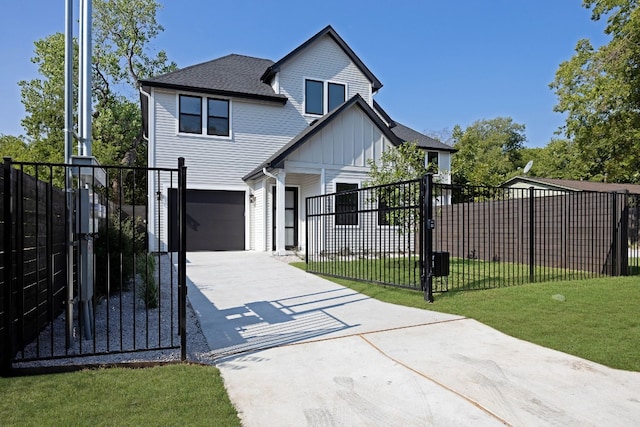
277	159
327	31
573	185
407	134
232	75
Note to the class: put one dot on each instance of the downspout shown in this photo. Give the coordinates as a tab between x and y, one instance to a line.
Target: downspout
148	95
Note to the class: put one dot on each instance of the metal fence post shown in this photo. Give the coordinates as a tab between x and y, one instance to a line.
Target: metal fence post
426	231
614	235
532	236
6	339
182	257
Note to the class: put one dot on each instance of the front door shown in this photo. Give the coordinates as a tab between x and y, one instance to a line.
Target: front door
290	218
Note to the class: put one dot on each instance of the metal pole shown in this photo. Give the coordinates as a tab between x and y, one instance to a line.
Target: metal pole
6	353
86	80
532	236
68	152
182	257
428	225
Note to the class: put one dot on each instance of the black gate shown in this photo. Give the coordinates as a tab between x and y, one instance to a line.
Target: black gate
82	267
438	237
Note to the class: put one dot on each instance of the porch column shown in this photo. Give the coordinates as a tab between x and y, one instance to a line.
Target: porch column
280	193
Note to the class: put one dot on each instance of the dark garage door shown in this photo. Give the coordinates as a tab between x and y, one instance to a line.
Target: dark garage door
215	220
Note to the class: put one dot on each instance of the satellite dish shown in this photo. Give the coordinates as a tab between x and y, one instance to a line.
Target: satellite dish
527	168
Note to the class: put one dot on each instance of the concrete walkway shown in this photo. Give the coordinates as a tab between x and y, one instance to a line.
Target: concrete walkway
295	350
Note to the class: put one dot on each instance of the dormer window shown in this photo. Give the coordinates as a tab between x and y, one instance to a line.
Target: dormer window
321	97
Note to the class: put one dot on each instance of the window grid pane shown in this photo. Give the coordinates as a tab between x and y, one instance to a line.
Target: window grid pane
336	95
313	97
347	203
217	117
190	114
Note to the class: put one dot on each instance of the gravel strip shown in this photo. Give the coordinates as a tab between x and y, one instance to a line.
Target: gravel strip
123	324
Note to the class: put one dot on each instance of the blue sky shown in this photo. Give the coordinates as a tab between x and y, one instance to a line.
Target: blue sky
442	63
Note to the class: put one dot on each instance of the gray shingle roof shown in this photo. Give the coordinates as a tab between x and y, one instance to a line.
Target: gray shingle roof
409	135
231	75
276	160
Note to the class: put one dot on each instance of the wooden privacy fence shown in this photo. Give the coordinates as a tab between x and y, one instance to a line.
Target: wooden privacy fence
579	231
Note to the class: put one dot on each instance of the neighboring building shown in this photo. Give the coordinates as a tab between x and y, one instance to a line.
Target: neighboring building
561	186
258	137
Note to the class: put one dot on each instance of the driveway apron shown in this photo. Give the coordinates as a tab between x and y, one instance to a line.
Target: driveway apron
295	349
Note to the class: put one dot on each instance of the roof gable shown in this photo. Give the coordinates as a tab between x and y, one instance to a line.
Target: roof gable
271	71
278	158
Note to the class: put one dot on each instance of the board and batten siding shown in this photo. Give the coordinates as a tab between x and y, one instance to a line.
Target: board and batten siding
336	67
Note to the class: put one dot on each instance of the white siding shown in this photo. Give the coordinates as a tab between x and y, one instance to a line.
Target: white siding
323	60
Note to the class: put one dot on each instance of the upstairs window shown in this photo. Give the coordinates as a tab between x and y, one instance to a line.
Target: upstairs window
217	117
196	116
336	95
321	97
314	97
190	114
347	204
432	161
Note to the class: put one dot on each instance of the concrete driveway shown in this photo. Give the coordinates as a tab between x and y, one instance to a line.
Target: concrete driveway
295	350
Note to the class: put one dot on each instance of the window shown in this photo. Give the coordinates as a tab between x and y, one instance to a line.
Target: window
321	97
432	161
336	95
384	212
217	117
314	97
347	204
190	114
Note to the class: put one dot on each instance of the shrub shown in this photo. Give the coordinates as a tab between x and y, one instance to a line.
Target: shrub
115	245
147	284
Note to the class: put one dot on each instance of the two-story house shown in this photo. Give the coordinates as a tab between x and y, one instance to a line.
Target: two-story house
258	137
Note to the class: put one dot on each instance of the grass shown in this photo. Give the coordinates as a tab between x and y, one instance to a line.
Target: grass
596	319
171	395
463	274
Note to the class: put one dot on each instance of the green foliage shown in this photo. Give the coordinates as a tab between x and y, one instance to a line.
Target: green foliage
403	163
14	147
559	159
599	91
123	30
148	285
171	395
488	151
119	241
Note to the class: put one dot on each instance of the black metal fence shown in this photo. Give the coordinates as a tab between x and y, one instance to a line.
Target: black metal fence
474	237
77	277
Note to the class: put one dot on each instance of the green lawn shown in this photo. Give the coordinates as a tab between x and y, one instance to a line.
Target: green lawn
171	395
596	319
464	273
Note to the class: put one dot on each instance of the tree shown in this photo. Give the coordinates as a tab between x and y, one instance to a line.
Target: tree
488	151
559	159
403	163
13	146
122	30
599	90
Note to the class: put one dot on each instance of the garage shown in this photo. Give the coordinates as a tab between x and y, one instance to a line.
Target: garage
215	220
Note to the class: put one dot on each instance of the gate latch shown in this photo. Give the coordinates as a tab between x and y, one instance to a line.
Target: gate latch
431	224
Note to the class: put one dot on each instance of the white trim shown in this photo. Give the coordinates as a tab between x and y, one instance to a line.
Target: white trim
295	166
298	219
